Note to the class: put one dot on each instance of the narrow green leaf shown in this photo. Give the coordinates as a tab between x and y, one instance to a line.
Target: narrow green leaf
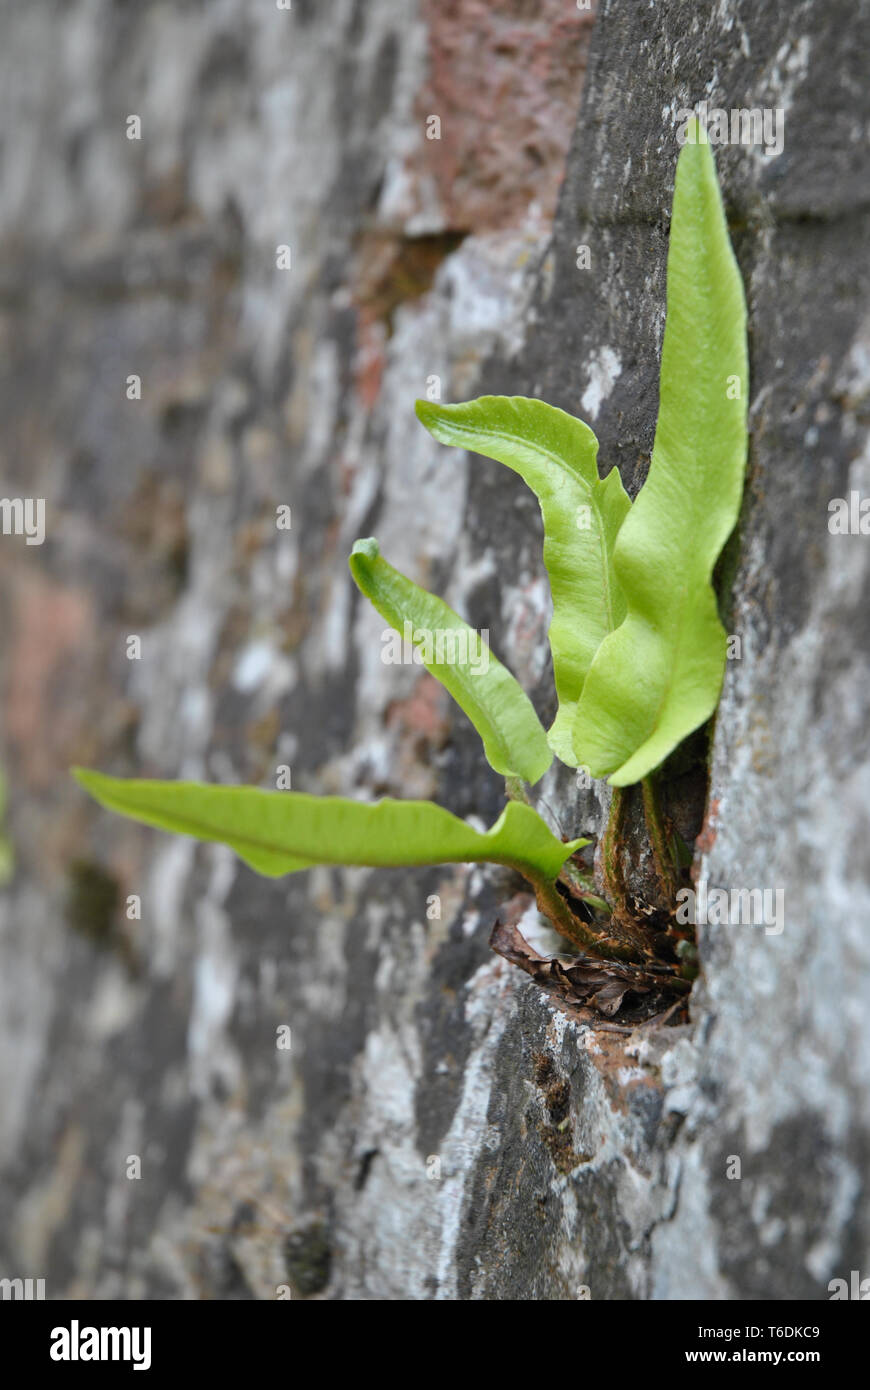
659	675
281	832
555	454
502	713
7	858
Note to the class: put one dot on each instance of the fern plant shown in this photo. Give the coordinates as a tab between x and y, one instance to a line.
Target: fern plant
638	649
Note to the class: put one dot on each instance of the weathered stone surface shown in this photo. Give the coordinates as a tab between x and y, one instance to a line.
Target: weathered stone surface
438	1129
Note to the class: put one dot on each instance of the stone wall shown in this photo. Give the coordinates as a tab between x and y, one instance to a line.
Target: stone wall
438	1129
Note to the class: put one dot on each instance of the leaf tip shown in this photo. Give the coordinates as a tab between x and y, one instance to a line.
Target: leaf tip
367	546
96	784
432	414
572	846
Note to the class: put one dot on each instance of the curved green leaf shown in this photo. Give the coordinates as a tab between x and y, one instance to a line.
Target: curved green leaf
659	675
502	713
281	832
555	454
